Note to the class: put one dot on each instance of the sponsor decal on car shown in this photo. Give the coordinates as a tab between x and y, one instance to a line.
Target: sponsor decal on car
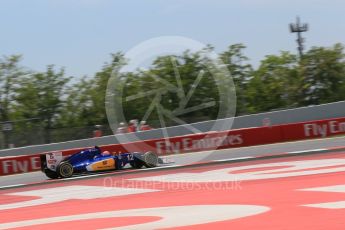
102	165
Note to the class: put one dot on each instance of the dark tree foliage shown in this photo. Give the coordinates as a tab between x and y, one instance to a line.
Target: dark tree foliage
44	102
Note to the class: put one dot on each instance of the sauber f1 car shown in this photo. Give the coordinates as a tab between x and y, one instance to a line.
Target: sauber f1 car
55	165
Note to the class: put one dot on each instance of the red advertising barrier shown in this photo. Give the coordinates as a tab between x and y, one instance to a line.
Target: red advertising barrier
199	142
19	164
313	129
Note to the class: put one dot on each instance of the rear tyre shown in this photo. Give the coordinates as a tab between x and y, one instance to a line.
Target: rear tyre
64	169
150	160
51	174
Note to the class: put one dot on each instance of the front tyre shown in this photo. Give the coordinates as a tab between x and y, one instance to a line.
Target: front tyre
64	169
150	160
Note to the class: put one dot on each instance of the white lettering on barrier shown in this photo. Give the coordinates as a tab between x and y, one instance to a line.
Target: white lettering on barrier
323	130
171	217
340	127
333	126
293	168
30	163
23	166
7	165
188	144
315	130
35	163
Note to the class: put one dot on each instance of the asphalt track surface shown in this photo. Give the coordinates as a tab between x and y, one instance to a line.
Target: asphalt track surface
290	191
191	158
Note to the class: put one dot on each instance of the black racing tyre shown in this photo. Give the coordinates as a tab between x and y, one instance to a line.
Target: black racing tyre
150	160
51	174
64	169
137	164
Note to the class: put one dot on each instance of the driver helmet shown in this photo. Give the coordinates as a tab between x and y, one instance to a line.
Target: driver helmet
105	153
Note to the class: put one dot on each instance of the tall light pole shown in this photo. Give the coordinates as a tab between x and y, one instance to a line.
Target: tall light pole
299	29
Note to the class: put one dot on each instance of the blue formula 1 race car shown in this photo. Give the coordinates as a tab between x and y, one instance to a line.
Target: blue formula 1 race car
55	165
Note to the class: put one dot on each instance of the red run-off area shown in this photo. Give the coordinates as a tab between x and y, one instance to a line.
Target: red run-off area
305	192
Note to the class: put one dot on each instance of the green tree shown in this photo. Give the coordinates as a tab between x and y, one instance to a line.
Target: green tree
42	96
174	76
323	72
99	87
85	105
76	111
10	74
275	85
241	72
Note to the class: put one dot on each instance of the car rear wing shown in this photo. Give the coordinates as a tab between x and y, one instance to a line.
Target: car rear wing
51	160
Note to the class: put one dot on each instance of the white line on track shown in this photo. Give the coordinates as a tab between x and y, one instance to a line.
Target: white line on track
17	174
11	186
234	159
308	151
